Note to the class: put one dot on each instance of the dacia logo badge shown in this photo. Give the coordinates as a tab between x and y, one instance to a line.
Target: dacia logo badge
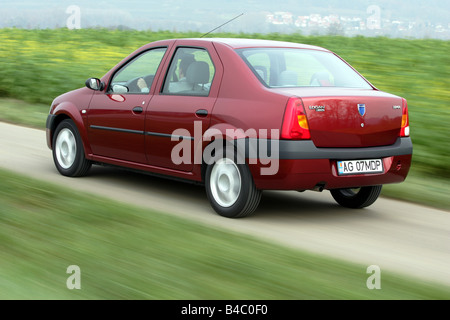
361	109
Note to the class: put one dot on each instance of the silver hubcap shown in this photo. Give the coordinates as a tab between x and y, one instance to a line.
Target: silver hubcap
225	182
66	148
350	192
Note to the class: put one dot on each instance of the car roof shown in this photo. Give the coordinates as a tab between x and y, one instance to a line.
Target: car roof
239	43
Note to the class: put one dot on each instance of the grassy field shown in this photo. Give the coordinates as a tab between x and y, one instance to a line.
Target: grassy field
38	65
125	252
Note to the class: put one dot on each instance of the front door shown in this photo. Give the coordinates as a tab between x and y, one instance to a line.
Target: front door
116	117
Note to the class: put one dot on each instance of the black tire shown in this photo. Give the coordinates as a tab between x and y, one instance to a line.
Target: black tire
231	174
68	152
356	198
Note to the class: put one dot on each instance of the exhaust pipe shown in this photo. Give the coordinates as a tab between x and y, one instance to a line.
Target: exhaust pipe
319	187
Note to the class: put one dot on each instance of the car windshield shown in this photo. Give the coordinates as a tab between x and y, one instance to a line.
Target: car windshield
290	67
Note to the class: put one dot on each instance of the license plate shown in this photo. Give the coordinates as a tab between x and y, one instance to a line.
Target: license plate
359	166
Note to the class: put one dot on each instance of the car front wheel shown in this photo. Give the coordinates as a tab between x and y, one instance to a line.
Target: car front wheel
68	153
356	198
230	188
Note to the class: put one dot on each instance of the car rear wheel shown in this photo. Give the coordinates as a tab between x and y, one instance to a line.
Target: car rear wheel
356	198
230	188
68	153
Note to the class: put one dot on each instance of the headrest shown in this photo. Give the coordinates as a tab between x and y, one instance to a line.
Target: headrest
288	78
198	72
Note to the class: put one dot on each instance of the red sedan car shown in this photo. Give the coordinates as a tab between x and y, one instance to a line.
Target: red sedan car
239	116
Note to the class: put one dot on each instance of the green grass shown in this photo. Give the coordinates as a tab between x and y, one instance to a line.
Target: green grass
23	113
126	252
417	188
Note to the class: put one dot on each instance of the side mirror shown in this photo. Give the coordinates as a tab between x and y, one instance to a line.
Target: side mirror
94	84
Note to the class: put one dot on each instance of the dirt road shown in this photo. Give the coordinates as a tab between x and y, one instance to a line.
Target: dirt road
397	236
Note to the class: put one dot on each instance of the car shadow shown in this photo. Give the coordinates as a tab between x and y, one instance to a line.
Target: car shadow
307	205
148	182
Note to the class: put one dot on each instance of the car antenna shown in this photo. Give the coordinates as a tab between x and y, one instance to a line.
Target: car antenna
222	25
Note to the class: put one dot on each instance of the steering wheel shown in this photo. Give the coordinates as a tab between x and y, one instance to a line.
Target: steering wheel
132	85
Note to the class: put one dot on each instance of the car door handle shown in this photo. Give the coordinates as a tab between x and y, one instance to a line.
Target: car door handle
201	112
137	110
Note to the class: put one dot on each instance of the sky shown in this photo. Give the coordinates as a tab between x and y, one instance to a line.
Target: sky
392	18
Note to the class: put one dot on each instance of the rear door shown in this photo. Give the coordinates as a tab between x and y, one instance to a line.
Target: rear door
180	112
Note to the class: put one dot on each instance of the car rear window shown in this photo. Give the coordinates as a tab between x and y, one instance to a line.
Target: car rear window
290	67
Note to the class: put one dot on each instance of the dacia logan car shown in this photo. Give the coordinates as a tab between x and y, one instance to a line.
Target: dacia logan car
239	116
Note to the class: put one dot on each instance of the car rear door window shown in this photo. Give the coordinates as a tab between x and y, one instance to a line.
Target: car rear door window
191	72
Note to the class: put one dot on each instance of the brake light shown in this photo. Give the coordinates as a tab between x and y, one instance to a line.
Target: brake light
404	131
295	123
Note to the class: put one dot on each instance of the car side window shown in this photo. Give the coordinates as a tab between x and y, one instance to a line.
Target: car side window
138	74
191	72
260	62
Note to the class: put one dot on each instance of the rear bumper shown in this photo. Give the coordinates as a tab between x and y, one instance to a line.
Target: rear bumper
305	149
302	166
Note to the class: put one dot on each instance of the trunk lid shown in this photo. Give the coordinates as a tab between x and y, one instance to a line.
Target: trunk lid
347	118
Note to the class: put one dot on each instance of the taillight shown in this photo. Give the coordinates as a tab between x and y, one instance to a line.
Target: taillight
295	123
404	131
